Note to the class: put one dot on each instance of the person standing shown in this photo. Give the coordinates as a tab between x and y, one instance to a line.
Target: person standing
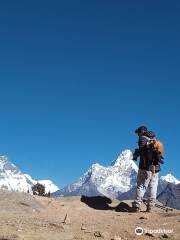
150	152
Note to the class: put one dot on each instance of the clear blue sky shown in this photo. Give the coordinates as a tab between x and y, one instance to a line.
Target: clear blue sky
77	77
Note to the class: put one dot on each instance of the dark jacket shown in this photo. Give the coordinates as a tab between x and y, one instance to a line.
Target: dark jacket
147	156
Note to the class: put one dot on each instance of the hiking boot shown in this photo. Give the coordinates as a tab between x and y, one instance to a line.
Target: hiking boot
135	209
149	209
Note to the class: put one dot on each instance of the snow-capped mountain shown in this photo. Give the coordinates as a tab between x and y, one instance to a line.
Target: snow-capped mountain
164	181
49	185
11	178
110	181
170	179
117	181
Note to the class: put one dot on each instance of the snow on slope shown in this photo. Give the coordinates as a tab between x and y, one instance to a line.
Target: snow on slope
119	181
11	178
49	186
110	181
170	178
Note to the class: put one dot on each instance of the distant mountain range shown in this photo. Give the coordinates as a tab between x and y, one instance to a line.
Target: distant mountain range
119	181
11	178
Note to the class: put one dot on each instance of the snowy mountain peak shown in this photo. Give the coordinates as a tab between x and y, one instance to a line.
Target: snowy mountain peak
125	156
3	159
170	178
11	178
119	181
101	180
95	167
124	162
6	166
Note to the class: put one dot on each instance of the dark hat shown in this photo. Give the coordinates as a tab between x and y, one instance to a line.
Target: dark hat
142	128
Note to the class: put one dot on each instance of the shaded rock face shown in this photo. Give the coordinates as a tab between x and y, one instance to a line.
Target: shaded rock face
117	181
11	178
170	196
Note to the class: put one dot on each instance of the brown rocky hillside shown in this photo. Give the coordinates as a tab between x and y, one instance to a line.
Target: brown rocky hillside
27	217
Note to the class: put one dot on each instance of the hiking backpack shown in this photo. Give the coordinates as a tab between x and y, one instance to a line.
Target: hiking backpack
155	144
154	153
159	146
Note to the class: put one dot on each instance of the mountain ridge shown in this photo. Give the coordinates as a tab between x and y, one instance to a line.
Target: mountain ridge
11	178
117	181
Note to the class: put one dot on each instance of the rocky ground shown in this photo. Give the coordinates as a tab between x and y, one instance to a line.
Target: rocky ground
27	217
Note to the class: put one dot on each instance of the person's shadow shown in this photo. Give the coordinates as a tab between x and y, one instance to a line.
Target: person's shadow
102	203
97	202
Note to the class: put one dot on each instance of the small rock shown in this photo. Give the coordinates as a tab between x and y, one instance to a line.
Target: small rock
83	227
143	218
149	234
24	204
164	235
98	234
49	202
165	224
56	225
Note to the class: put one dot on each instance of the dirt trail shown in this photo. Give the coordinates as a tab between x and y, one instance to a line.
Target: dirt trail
27	217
